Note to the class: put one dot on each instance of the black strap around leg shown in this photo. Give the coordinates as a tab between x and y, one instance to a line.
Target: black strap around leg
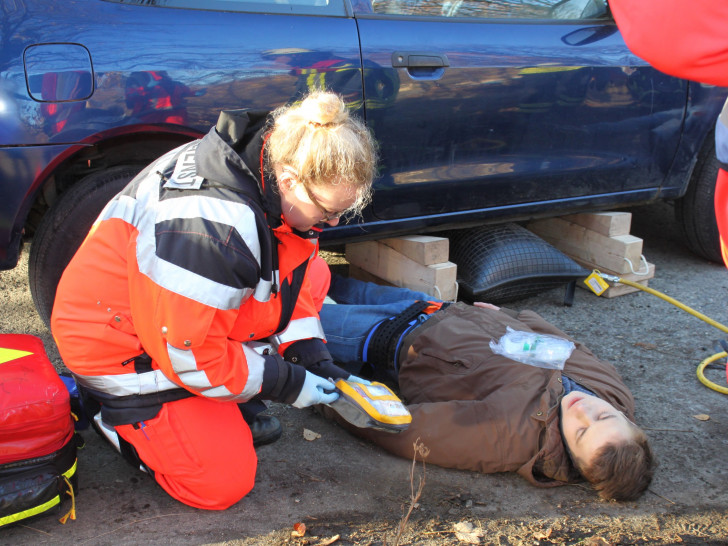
381	344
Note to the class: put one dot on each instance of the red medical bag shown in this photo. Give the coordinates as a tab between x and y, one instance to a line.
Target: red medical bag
37	438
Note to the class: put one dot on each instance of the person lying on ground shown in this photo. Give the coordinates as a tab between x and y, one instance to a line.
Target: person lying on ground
478	410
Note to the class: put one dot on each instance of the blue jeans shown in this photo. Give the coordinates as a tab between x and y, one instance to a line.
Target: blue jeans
360	305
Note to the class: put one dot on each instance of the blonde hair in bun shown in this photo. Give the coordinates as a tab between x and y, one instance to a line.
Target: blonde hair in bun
324	144
323	109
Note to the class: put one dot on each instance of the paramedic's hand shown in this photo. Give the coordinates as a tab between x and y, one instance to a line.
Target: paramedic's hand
315	390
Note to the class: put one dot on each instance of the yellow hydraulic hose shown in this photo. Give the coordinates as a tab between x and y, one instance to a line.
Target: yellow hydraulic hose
676	303
701	367
704	380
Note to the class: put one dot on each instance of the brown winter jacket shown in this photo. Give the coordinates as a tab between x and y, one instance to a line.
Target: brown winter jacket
477	410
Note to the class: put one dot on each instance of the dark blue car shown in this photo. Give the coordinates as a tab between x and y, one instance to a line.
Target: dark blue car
486	111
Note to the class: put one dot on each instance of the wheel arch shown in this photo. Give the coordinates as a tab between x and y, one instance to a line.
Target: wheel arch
695	209
129	148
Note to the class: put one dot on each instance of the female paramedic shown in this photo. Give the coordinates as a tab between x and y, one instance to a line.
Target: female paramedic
189	301
476	409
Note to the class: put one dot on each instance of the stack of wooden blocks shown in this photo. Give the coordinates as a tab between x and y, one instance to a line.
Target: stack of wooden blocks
600	241
418	262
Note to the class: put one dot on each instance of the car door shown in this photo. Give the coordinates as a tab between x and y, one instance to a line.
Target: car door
511	106
74	74
125	80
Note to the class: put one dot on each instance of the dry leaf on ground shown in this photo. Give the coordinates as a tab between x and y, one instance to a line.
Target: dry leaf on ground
543	535
596	541
328	541
310	435
466	532
299	529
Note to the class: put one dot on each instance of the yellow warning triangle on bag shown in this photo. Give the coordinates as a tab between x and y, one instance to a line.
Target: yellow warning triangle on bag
6	355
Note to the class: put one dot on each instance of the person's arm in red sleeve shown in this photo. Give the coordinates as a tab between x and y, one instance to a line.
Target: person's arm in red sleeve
686	39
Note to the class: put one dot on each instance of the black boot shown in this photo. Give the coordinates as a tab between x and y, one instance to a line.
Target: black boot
266	429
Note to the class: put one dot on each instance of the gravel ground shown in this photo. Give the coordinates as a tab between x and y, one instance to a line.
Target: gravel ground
348	492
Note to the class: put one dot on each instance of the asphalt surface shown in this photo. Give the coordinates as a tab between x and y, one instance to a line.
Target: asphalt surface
342	487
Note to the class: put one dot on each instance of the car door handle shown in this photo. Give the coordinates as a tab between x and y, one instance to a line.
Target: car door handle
421	65
419	59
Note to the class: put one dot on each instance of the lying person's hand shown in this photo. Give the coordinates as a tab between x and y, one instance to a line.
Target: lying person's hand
485	305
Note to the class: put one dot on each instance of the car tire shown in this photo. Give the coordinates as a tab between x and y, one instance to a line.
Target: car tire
64	227
695	211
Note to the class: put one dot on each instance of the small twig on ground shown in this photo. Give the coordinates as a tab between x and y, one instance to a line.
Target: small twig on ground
310	476
34	529
663	498
422	451
94	538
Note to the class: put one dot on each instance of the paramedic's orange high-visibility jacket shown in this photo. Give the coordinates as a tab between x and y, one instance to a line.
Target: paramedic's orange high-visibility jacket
191	265
180	265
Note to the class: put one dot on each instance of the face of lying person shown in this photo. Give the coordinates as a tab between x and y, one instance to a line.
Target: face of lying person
588	423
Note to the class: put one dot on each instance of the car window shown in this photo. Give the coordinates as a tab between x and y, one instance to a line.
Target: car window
298	7
494	9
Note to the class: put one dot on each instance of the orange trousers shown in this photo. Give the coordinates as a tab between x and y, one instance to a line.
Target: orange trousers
201	451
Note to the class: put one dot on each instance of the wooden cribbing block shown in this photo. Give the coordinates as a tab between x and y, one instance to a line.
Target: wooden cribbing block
424	249
606	223
618	289
584	244
383	261
359	274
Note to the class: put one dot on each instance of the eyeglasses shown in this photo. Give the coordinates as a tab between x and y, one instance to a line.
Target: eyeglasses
328	215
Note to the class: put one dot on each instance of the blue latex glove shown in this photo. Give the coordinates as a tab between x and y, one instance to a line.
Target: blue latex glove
314	392
355	379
